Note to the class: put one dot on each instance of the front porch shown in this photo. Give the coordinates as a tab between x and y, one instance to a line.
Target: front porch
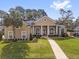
47	30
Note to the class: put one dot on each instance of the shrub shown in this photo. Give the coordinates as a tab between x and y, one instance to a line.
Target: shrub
76	34
36	36
14	40
1	34
31	37
70	30
34	40
64	35
52	35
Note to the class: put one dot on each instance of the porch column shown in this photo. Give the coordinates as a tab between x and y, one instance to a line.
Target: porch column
65	29
47	30
41	30
59	31
56	30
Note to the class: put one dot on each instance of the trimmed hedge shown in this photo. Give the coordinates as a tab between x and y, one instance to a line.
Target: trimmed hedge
70	30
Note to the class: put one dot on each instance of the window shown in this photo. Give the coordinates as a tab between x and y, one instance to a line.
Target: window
62	31
23	35
44	19
10	35
37	31
51	31
44	30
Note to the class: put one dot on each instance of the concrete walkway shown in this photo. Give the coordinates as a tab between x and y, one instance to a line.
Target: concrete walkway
57	50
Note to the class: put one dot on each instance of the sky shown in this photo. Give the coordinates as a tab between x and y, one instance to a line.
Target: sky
50	6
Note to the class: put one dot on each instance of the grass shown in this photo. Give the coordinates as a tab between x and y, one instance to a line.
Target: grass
70	46
24	50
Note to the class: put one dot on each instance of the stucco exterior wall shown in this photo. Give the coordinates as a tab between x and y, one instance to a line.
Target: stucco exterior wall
17	32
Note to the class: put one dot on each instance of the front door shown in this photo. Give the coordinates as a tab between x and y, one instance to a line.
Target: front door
44	30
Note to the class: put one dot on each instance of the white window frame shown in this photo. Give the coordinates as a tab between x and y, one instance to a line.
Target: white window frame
37	30
52	30
23	33
10	33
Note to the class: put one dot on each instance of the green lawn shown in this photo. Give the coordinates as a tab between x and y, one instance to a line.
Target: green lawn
70	46
22	49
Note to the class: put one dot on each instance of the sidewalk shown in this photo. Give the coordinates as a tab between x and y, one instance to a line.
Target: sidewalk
57	50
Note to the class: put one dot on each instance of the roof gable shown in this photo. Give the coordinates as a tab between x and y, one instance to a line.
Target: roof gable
45	21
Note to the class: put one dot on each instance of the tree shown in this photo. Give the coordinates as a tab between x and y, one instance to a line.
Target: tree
77	21
33	14
20	9
7	20
13	19
42	12
2	14
66	19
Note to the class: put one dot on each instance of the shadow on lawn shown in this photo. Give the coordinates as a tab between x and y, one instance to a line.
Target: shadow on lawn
15	50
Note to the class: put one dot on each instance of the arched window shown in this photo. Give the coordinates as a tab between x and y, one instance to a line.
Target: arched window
23	35
37	31
51	30
10	34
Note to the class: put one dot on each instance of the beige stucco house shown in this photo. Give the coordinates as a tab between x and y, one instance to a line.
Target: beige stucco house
44	26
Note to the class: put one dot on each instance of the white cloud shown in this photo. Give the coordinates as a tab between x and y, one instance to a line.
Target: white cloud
69	6
61	5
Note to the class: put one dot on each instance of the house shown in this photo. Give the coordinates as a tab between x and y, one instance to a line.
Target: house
76	30
1	24
44	26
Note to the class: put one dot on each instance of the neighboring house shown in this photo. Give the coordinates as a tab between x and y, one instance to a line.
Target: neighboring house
44	26
1	24
76	30
1	28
